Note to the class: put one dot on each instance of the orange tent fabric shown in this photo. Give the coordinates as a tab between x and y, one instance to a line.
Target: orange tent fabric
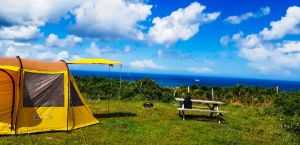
38	96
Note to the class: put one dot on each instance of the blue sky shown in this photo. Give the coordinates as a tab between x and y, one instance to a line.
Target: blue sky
235	38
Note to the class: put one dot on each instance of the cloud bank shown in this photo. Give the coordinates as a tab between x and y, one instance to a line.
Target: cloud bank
267	55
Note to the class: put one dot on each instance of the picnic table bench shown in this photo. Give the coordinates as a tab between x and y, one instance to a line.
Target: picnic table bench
211	107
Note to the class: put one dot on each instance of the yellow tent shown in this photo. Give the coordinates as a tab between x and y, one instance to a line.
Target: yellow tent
38	96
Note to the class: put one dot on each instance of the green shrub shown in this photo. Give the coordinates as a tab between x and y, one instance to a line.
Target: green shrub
288	109
101	88
291	124
288	103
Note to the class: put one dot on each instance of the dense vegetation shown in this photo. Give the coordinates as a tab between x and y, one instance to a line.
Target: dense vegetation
284	105
287	107
104	89
147	89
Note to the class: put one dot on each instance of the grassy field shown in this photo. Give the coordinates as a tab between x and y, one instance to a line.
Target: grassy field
130	123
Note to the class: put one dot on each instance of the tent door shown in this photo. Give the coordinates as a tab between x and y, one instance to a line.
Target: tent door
7	92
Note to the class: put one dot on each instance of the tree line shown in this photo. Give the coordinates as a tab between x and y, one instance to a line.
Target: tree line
147	89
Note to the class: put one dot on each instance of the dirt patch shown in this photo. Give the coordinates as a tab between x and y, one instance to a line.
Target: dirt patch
121	126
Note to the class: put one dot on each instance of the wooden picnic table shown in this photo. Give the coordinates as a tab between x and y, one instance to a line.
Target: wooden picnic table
213	107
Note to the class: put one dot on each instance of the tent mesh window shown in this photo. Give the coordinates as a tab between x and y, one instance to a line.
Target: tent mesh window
43	90
75	99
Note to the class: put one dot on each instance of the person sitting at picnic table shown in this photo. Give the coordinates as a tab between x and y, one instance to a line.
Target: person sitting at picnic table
187	102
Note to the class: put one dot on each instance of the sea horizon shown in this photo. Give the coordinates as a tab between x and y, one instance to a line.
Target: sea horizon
175	80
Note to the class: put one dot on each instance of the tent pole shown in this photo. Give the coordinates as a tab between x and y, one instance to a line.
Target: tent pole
110	86
120	78
69	98
20	81
13	102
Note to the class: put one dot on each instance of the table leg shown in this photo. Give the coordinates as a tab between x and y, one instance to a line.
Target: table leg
183	116
219	118
211	114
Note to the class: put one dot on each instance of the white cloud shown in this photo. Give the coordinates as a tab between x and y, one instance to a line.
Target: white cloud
268	55
169	53
13	52
265	10
96	51
127	49
63	55
74	57
272	58
224	40
238	19
46	55
69	41
5	43
237	36
290	47
11	48
200	69
160	53
146	63
289	24
27	50
20	33
20	20
35	54
112	19
182	24
34	12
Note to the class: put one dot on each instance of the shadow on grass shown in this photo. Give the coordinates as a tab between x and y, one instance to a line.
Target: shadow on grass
204	118
115	114
41	132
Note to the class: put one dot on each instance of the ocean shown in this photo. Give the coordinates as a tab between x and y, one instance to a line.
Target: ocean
179	80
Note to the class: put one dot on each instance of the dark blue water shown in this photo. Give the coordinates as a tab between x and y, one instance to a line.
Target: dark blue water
178	80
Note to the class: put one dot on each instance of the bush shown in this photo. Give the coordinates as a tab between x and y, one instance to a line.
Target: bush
288	103
291	124
101	88
288	110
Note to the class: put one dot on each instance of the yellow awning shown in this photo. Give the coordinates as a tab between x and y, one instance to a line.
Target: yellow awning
94	61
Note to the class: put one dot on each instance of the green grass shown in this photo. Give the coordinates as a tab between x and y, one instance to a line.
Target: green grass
129	123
